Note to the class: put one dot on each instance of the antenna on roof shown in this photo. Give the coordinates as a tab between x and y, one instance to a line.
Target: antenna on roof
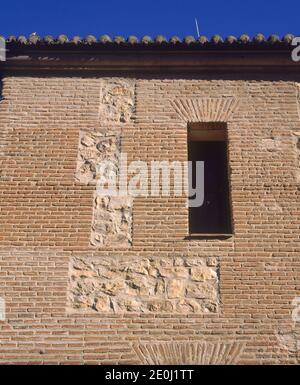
197	28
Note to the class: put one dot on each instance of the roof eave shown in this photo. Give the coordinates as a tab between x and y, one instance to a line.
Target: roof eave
148	59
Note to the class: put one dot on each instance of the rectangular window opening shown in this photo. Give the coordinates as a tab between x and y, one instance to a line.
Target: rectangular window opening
207	142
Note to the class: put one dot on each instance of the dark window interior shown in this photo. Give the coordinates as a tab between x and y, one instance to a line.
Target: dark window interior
210	145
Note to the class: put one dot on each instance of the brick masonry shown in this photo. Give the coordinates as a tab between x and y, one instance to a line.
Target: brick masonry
55	251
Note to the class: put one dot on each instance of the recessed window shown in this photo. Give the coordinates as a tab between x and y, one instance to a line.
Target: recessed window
207	142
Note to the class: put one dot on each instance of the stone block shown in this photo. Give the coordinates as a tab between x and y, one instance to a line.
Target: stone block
120	285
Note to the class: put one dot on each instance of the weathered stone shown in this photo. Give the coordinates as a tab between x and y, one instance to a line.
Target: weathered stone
87	141
181	272
117	101
297	176
159	288
176	288
112	221
200	290
118	285
165	272
83	302
94	148
167	262
212	261
153	272
113	288
210	307
160	306
129	305
141	268
202	273
119	202
86	172
142	285
86	273
178	262
192	261
270	144
109	274
188	306
102	304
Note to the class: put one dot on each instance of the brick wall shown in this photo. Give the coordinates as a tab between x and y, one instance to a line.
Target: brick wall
63	274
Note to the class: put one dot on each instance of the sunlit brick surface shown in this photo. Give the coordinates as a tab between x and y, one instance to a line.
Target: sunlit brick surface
47	216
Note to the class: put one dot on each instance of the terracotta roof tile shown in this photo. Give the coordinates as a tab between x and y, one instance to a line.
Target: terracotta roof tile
216	40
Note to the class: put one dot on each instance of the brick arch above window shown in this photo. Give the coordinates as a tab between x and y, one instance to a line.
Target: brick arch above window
205	109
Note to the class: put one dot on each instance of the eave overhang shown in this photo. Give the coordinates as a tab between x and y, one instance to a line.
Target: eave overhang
153	58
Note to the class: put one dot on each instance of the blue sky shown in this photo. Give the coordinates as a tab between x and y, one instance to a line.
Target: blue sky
140	17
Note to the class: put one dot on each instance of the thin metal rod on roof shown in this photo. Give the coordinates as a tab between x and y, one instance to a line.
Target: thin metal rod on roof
197	28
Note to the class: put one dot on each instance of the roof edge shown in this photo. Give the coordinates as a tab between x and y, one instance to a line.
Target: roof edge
146	41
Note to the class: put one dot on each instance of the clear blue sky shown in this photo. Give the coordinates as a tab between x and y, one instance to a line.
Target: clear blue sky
140	17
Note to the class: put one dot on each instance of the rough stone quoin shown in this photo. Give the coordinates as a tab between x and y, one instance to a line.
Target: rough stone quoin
94	148
112	221
112	216
116	101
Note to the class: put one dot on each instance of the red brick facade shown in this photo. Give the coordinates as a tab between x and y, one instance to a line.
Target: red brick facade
48	216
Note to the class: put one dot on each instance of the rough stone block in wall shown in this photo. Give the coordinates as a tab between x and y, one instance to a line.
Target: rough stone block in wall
94	148
147	285
116	100
112	221
112	216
